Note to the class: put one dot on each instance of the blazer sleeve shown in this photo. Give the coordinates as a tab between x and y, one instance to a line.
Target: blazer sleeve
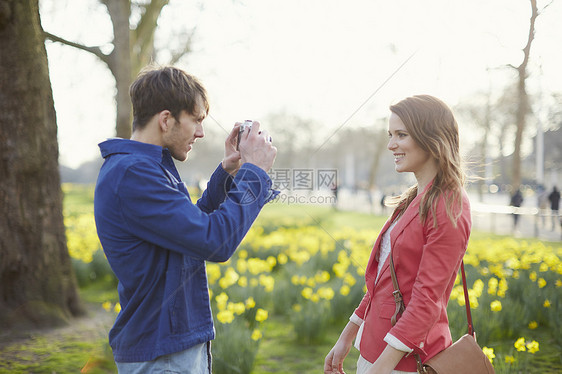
360	310
441	256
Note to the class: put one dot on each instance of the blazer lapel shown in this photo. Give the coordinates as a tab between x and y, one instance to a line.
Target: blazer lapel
371	271
413	211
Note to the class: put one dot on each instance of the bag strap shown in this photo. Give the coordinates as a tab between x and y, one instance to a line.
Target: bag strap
400	306
467	303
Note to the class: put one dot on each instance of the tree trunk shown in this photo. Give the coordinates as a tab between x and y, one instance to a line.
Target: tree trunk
133	48
120	63
523	99
37	284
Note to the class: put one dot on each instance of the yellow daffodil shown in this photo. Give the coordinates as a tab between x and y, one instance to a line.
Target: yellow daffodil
250	302
492	285
520	345
261	315
225	316
326	293
496	306
107	306
221	300
243	282
256	335
489	352
533	346
282	259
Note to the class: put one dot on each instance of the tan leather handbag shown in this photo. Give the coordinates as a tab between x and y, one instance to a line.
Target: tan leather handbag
464	356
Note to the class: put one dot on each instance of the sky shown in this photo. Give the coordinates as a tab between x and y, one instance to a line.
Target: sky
339	63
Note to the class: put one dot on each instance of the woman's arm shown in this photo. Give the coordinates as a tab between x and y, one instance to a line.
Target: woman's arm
387	361
334	360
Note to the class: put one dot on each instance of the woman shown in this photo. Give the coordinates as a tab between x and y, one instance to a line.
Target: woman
428	233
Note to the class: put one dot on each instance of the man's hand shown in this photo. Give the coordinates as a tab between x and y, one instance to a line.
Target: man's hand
256	148
231	161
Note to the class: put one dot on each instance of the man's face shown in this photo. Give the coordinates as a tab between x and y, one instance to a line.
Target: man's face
183	132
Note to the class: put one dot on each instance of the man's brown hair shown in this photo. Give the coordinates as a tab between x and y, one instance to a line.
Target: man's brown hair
165	88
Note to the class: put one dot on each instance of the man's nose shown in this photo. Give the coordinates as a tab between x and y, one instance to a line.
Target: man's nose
200	133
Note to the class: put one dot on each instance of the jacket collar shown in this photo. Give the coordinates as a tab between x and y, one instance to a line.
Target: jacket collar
412	211
126	146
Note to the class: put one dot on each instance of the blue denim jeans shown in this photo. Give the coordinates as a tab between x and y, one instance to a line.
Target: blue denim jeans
194	360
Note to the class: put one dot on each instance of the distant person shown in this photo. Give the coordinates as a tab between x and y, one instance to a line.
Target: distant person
155	239
427	231
334	189
554	199
542	203
516	201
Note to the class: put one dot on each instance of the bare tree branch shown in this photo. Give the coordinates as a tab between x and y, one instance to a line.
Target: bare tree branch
94	50
142	37
178	54
144	31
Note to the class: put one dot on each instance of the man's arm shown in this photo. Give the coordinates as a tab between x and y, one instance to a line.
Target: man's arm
154	211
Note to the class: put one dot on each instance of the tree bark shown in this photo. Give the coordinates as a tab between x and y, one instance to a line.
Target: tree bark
120	63
37	284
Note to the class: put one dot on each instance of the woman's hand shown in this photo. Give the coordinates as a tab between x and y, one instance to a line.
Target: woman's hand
333	364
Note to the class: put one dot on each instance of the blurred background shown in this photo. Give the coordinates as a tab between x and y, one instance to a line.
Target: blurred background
320	76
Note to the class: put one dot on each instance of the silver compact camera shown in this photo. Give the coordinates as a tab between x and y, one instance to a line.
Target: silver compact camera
246	126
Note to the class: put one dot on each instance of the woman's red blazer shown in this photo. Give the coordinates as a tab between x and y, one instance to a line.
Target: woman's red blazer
426	260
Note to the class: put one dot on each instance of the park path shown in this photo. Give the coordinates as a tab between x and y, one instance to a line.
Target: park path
93	326
488	215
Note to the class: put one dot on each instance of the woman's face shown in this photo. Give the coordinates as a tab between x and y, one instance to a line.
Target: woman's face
408	155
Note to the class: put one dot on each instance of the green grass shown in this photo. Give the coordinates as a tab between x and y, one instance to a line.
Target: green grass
326	217
280	353
71	350
66	353
78	197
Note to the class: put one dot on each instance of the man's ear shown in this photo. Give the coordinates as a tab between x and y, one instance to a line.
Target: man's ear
164	118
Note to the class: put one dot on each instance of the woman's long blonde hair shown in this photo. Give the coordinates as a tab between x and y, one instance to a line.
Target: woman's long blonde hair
432	125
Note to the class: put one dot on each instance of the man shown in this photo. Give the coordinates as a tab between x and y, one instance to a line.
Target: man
155	239
554	198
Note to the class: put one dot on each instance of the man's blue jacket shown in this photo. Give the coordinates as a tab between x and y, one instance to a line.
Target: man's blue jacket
157	241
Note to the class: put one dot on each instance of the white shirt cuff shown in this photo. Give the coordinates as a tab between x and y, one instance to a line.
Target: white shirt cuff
393	341
356	319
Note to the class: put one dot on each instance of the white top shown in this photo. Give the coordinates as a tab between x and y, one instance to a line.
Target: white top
385	249
389	338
